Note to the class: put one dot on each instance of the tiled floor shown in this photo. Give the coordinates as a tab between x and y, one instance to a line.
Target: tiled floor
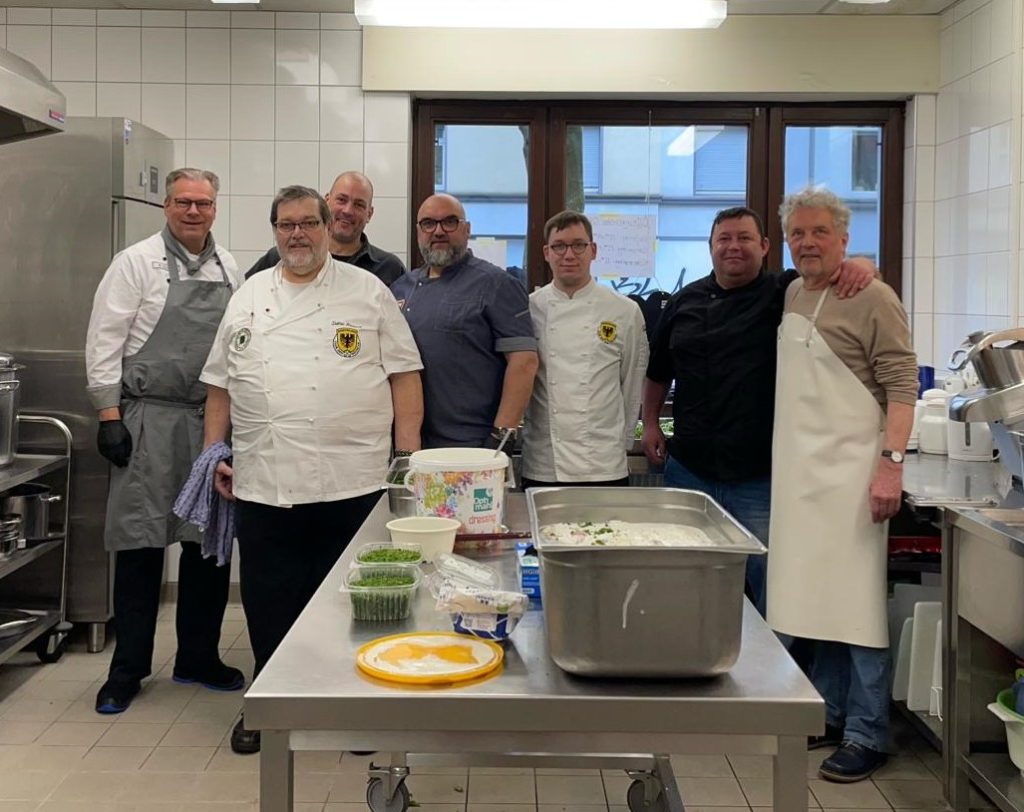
169	752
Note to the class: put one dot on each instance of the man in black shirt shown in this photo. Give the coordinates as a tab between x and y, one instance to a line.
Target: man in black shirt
717	340
351	204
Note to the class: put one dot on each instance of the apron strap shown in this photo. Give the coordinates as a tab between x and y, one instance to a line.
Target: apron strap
814	316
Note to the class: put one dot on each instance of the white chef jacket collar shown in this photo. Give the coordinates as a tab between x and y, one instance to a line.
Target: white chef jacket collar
582	293
318	280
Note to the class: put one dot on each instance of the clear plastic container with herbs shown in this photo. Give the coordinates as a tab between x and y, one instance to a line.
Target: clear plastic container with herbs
382	592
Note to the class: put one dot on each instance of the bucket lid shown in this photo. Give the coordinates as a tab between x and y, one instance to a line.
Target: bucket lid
458	459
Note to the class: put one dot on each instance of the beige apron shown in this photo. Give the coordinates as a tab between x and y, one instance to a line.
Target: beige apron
827	559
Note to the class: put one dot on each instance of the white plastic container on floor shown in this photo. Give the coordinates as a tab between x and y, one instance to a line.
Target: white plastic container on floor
901	671
922	654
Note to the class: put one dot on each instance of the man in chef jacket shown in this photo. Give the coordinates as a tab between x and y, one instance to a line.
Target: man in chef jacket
593	354
311	365
153	319
844	404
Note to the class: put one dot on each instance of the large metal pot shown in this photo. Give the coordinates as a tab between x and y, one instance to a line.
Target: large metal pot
32	503
9	401
10	533
8	369
996	367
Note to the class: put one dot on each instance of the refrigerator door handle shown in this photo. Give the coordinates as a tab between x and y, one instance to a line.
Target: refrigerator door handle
115	230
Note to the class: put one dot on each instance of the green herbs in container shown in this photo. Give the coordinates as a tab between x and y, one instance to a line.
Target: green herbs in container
382	592
406	555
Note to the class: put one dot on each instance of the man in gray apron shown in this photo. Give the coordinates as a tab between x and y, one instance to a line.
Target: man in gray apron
154	317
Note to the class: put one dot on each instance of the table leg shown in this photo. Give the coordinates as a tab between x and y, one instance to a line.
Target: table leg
277	775
789	793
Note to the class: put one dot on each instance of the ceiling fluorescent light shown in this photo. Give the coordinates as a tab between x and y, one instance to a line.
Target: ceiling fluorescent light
571	15
238	2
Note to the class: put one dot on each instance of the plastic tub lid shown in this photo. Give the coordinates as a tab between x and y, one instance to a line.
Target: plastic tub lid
457	459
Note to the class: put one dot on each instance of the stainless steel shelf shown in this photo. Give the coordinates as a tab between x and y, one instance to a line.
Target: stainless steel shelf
9	646
997	778
22	557
27	467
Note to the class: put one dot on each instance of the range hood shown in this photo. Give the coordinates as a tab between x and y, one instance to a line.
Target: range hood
29	104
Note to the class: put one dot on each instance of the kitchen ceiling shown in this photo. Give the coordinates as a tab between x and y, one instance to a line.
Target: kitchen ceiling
735	6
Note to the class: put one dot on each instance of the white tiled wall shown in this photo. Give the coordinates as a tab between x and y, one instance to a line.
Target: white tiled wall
963	182
264	99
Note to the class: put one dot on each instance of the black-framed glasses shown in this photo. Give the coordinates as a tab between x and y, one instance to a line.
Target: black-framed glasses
578	247
448	224
306	226
184	204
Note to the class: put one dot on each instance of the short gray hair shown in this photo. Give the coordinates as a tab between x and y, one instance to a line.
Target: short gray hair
816	197
188	173
290	193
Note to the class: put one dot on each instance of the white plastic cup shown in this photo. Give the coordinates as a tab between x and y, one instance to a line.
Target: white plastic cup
434	534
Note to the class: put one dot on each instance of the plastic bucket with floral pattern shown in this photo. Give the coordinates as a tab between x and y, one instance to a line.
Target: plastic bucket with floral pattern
467	484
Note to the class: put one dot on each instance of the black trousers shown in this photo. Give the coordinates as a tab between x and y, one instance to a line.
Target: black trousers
202	596
608	483
284	555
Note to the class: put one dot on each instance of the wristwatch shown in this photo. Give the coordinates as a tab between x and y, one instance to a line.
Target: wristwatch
895	456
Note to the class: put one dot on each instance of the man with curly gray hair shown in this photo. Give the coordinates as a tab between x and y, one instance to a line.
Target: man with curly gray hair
846	385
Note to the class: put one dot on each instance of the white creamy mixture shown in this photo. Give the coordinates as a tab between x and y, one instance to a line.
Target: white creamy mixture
625	534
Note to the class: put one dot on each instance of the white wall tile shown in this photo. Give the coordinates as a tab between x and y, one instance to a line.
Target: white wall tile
962	178
960	225
924	229
252	168
943	228
947	115
923	335
943	301
3	36
179	151
3	16
999	155
389	228
212	155
119	54
341	57
74	16
222	225
209	111
1001	90
977	222
387	166
998	285
341	114
246	259
336	158
250	223
297	113
978	101
909	186
252	19
119	99
31	42
977	296
981	37
333	21
297	19
208	19
163	108
961	49
163	19
946	57
925	173
945	169
296	163
908	230
977	173
388	117
998	221
29	16
81	97
163	52
1002	28
125	17
298	58
74	53
252	112
209	56
252	57
924	285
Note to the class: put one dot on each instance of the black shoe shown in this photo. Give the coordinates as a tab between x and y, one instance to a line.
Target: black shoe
833	738
243	740
219	677
115	698
851	762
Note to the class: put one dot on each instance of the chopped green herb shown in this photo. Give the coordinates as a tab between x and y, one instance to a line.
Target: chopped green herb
388	555
382	594
378	581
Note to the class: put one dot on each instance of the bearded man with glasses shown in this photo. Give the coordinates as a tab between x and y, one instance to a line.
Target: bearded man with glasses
471	321
154	316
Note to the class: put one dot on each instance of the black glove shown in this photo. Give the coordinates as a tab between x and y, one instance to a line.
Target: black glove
114	442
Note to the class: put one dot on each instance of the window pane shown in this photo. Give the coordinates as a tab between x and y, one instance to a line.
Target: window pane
652	193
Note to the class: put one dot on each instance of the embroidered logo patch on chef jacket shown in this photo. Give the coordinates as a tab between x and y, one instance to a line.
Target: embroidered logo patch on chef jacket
607	331
346	342
240	340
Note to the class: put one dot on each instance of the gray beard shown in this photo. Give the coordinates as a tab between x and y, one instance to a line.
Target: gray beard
441	257
303	261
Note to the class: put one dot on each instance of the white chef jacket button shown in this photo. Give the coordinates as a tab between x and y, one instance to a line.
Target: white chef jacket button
313	387
311	420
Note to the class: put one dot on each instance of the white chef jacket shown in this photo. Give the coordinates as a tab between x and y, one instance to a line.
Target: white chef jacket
311	407
586	397
127	306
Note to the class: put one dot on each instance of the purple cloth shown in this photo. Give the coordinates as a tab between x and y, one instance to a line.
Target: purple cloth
201	505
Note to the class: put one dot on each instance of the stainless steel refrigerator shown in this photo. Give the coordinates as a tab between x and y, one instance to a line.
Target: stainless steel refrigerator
70	202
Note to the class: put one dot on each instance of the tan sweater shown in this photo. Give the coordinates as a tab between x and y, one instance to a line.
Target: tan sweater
869	333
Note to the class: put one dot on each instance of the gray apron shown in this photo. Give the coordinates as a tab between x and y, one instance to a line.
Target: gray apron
162	406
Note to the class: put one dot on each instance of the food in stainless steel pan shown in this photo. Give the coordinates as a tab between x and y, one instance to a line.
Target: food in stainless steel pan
616	533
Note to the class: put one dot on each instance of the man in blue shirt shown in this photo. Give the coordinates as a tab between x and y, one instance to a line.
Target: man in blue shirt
471	321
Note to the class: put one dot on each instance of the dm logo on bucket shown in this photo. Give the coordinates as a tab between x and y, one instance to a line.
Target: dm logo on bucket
483	499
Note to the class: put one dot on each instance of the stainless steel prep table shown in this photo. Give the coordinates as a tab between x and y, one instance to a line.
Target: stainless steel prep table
935	480
310	696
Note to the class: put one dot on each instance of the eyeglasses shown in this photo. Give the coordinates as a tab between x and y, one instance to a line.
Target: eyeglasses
286	227
184	204
577	247
448	224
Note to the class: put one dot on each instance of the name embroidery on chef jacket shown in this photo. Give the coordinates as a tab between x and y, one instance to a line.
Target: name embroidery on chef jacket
607	331
346	341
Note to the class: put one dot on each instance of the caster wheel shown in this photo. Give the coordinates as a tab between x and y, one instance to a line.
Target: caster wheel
635	799
51	648
376	800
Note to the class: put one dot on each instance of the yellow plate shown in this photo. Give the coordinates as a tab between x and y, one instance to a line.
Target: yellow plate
429	658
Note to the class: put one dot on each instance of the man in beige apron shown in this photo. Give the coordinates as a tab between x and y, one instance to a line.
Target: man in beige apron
845	391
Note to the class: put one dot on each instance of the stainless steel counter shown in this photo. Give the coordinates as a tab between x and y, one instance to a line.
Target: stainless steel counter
311	696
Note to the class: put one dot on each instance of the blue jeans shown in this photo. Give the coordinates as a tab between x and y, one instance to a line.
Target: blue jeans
854	682
749	502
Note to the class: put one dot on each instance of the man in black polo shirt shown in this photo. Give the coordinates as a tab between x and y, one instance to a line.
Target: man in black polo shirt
351	204
716	339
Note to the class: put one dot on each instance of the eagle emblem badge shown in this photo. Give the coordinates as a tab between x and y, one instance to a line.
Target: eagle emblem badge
346	342
607	331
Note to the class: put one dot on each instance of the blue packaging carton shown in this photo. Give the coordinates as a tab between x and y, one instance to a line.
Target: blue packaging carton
529	569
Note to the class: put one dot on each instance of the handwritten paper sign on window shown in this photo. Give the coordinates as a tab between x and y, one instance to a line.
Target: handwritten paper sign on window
625	244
